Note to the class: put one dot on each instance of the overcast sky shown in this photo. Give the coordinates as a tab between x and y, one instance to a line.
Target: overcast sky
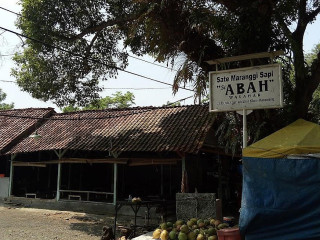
154	97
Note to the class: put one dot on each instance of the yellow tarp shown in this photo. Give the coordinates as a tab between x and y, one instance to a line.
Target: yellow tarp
300	137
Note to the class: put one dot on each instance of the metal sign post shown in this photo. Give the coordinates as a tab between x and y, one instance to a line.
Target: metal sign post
244	129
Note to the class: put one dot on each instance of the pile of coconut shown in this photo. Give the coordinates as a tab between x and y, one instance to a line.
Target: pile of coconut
193	229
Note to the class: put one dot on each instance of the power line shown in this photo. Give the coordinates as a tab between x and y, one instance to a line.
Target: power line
152	63
8	81
135	111
6	55
92	59
124	88
64	50
128	55
110	88
5	9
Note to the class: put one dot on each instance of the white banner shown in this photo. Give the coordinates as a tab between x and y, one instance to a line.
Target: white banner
246	88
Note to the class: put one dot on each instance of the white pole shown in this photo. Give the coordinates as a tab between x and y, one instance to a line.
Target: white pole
60	155
115	176
11	175
245	131
58	182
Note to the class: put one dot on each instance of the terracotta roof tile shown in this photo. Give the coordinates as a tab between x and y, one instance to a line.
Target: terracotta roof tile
135	129
15	124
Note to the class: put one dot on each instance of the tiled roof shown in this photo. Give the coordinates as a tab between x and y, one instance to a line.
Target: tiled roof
13	127
134	129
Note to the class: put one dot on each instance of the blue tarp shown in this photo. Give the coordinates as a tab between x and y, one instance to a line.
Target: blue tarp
280	199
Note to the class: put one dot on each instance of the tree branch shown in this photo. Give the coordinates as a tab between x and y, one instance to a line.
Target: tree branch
302	23
87	54
315	73
97	28
285	28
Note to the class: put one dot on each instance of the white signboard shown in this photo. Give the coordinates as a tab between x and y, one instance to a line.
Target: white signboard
246	88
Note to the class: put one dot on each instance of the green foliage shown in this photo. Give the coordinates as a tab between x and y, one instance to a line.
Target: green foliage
4	106
71	108
312	60
174	104
92	39
71	72
312	56
118	100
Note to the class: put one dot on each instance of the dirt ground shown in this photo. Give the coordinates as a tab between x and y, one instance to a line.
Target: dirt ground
28	223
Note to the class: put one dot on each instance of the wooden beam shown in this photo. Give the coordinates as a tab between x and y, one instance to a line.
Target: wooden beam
181	154
94	160
135	164
152	161
28	164
129	161
80	160
246	57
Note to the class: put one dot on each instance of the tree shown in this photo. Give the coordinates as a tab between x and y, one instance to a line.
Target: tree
173	104
118	100
80	45
311	58
4	106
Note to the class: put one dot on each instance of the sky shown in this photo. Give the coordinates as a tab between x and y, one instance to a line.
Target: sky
157	94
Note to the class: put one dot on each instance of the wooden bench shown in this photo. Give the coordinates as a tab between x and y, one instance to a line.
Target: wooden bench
73	193
74	197
31	195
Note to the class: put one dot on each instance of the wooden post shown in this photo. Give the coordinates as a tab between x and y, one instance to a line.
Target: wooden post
183	164
13	156
161	187
49	176
183	175
69	175
115	176
244	129
220	178
60	155
58	182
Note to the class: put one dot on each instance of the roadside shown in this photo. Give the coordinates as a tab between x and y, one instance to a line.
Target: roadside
28	223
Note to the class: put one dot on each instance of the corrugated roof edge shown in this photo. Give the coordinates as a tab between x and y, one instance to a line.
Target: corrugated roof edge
23	109
131	108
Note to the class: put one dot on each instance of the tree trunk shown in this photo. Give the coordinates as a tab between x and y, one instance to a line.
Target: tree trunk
305	84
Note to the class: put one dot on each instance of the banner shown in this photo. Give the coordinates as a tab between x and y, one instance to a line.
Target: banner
246	88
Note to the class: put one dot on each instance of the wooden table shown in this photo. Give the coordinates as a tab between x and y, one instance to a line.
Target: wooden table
135	208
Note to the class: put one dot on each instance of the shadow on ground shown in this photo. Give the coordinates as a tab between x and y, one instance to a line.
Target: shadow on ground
90	225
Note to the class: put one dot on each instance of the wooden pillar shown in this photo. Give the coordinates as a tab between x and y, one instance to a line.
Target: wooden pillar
115	177
13	156
60	154
58	182
183	164
183	175
161	188
170	180
220	179
69	176
49	176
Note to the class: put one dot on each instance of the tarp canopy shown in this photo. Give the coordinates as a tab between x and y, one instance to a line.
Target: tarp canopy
280	199
300	137
280	196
